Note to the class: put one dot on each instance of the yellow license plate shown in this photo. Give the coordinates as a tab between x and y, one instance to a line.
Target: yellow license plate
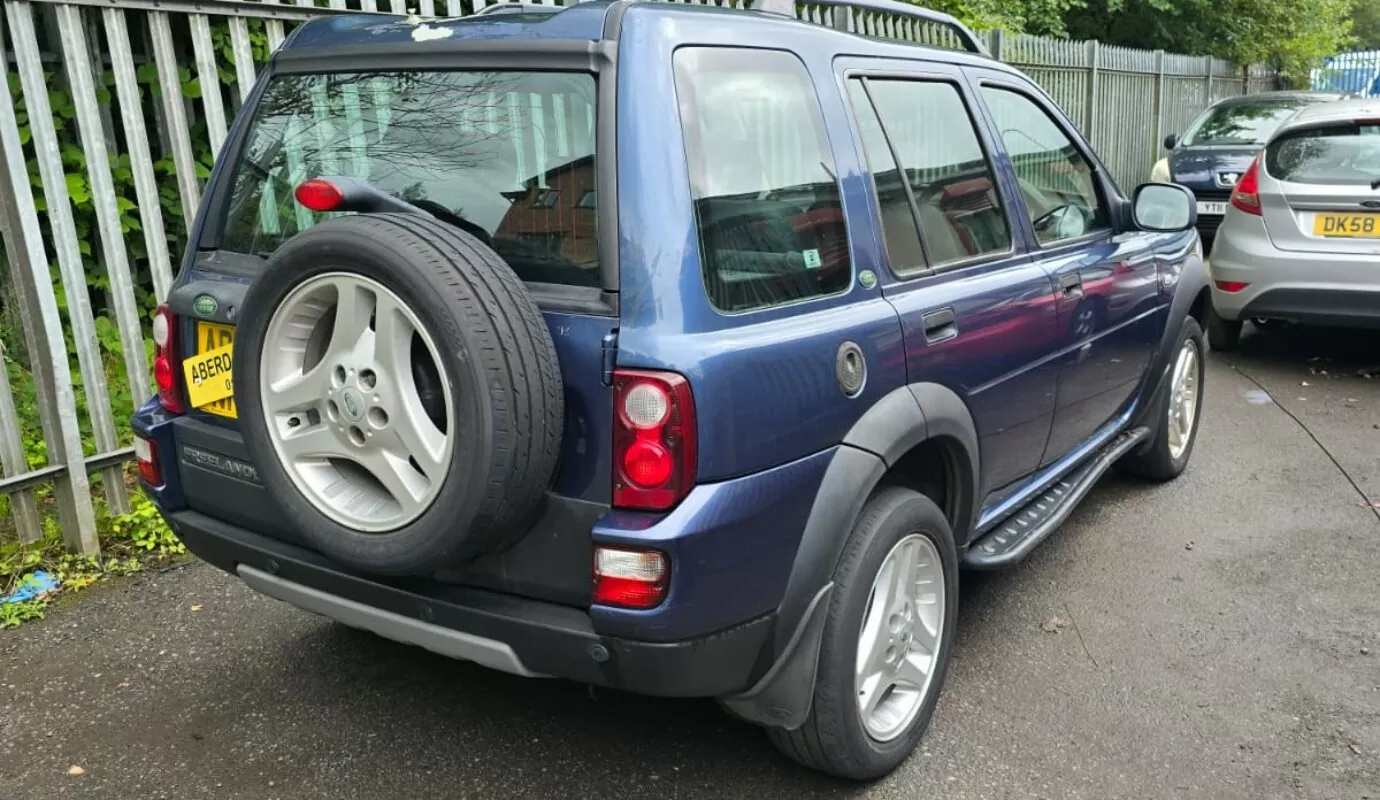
210	373
1347	226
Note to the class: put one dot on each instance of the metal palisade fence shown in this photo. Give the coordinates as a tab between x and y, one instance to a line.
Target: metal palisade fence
114	114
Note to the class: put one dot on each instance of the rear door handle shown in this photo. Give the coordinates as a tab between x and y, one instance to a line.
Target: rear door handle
1071	284
939	325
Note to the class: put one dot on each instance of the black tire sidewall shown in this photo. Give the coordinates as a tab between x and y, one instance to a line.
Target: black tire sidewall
431	539
891	515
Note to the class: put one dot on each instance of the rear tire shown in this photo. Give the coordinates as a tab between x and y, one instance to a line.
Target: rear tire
835	737
1167	454
1223	334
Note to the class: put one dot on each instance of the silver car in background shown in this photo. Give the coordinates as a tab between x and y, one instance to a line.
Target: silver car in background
1301	238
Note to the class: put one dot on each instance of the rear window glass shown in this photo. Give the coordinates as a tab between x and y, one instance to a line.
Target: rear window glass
1348	154
510	153
1248	123
762	178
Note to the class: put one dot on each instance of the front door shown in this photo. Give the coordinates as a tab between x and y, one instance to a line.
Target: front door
978	315
1107	282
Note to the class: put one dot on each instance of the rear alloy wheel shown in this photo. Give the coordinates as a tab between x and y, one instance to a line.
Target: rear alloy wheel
886	642
398	393
899	641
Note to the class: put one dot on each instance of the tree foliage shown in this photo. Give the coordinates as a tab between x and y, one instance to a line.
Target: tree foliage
1042	17
1365	24
1294	35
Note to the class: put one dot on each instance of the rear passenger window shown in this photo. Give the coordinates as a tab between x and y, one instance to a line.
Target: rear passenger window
943	182
1056	180
762	179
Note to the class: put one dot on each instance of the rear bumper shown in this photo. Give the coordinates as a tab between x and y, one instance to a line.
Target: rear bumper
518	635
1314	288
1334	307
731	544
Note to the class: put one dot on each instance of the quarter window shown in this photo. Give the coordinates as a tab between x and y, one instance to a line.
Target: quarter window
943	182
767	205
1056	180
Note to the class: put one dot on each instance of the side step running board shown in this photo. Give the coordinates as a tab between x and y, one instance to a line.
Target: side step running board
1018	534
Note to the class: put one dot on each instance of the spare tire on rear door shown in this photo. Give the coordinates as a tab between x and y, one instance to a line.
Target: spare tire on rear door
398	391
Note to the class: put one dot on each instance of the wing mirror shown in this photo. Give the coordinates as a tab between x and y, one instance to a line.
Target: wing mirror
1164	207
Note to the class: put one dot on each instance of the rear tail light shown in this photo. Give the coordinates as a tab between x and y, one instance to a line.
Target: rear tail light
1246	196
1231	287
653	440
147	455
164	360
629	578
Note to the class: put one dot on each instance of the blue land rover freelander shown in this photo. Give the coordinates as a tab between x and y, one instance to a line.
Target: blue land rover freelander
683	350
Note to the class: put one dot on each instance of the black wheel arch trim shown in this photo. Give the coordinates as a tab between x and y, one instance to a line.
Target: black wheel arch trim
895	424
1192	282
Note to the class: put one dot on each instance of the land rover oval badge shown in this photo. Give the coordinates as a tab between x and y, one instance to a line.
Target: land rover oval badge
205	305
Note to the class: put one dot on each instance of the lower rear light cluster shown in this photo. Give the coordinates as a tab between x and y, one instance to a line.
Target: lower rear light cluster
146	453
1231	287
653	440
165	360
629	578
1246	196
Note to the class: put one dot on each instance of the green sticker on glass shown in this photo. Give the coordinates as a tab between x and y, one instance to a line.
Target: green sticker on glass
812	259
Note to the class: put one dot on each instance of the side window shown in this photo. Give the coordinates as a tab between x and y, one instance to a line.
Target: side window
1057	182
944	181
762	178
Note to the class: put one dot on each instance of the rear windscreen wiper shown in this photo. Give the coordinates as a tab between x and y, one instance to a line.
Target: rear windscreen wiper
360	196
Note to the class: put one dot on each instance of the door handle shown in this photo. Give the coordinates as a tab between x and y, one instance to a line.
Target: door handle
1071	284
939	325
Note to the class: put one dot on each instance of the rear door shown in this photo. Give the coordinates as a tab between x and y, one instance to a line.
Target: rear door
1317	188
978	316
1107	282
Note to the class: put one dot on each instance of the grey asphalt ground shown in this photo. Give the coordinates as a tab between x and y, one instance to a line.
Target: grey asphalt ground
1218	637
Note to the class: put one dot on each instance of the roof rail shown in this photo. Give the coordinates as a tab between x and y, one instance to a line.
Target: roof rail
966	37
515	8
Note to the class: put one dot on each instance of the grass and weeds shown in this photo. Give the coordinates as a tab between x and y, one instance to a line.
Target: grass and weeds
129	543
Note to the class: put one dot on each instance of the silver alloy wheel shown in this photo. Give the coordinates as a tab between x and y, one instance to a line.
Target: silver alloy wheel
342	405
1183	399
898	644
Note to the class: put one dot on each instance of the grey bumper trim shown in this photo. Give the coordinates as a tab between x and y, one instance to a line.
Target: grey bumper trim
455	644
